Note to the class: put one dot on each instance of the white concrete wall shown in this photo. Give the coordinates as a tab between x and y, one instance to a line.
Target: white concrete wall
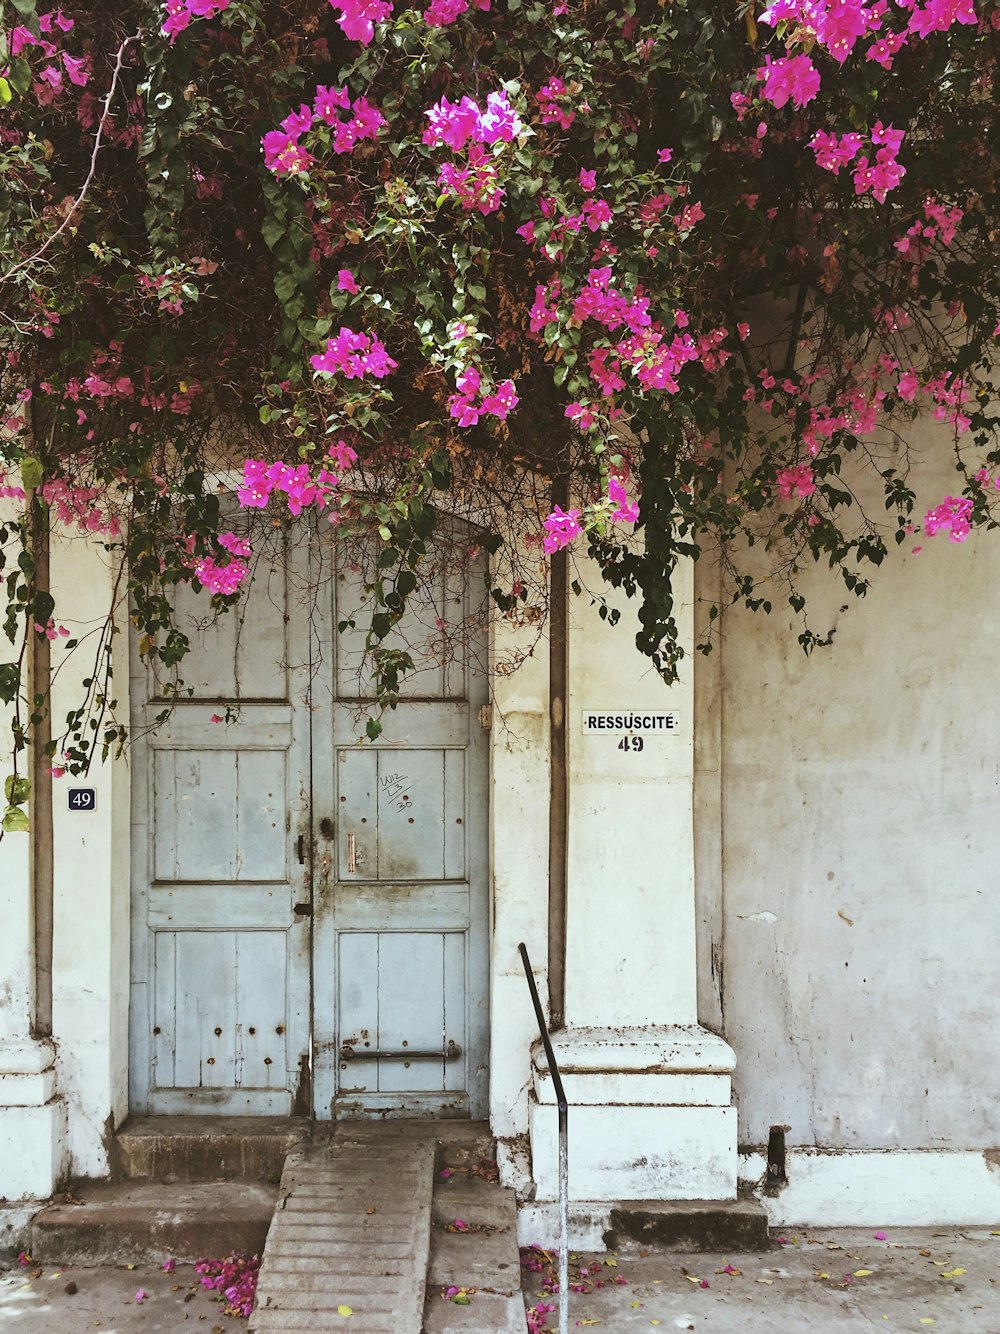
91	868
848	813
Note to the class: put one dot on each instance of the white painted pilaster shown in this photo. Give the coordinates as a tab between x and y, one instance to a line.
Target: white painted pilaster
91	864
649	1090
519	839
32	1116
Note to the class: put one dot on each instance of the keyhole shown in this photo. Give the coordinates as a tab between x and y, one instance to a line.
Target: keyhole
218	1032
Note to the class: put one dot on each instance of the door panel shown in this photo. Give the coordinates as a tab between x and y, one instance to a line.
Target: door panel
401	924
220	995
406	813
380	975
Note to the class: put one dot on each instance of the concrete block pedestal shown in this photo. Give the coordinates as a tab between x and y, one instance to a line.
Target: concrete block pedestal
650	1115
32	1121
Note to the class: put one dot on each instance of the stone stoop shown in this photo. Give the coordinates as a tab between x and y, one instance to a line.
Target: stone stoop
192	1187
136	1222
202	1148
482	1256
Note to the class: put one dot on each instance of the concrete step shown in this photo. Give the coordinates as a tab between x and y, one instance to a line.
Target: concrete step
689	1225
458	1143
207	1148
137	1222
351	1229
482	1256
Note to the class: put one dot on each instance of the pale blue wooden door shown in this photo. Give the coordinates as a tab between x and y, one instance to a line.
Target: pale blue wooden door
401	893
220	957
280	860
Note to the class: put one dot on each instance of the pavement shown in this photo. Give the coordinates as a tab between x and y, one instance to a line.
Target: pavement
826	1281
820	1281
76	1300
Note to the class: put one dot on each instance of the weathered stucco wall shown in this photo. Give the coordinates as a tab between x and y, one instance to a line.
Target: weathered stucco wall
848	807
90	965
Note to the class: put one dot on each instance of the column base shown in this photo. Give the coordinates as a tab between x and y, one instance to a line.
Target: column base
32	1122
649	1115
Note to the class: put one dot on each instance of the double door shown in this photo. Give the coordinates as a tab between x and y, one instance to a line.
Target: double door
310	909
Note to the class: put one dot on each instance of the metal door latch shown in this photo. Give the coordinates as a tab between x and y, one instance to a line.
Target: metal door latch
347	1053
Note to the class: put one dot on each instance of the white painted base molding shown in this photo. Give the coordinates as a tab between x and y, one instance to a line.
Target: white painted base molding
650	1115
889	1188
32	1122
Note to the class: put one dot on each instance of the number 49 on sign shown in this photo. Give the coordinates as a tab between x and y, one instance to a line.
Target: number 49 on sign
631	743
82	798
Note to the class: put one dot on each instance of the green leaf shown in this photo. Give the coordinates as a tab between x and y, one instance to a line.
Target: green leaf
19	75
373	729
16	789
5	92
15	821
31	471
10	681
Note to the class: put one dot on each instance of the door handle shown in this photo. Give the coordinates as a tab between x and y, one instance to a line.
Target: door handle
300	849
352	855
450	1053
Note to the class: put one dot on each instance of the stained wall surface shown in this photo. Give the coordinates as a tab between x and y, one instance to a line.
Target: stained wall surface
848	809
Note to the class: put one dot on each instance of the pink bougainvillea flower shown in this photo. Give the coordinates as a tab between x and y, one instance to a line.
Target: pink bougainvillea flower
343	456
561	527
797	480
834	151
625	511
236	546
791	78
345	281
952	514
78	69
170	1264
141	1295
358	17
355	355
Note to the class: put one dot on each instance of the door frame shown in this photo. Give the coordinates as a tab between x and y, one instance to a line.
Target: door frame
309	881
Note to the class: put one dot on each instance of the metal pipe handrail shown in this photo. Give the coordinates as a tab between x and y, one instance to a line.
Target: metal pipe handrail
563	1108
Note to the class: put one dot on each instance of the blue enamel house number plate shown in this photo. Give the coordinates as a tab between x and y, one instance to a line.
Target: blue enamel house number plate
82	798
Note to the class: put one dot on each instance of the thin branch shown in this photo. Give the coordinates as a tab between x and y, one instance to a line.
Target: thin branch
98	138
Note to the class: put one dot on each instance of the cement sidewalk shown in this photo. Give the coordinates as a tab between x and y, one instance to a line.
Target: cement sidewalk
52	1299
827	1282
938	1281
